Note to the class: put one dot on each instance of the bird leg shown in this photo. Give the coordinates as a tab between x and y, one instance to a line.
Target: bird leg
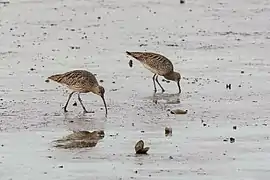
162	89
155	88
179	87
65	107
84	109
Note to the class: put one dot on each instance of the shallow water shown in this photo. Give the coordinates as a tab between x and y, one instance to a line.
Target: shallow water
212	43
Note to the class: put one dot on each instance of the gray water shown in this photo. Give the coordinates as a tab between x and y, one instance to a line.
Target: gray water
209	42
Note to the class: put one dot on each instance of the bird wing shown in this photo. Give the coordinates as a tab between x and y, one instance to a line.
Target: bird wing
79	78
153	61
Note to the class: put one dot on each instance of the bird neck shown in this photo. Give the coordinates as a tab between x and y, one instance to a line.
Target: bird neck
95	89
170	76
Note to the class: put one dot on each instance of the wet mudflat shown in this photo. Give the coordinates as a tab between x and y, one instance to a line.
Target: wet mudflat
212	44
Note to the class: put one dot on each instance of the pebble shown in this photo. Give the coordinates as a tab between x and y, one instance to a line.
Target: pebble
179	111
168	131
228	86
232	140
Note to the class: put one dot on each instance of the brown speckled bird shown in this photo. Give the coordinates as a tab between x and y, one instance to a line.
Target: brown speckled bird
80	81
159	65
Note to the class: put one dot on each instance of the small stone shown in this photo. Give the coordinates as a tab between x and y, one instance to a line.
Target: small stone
168	131
47	80
98	17
179	111
49	157
242	72
101	81
74	104
32	69
228	86
182	1
232	140
171	157
234	127
60	166
140	149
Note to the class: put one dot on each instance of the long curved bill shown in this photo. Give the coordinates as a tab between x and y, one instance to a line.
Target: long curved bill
105	105
179	87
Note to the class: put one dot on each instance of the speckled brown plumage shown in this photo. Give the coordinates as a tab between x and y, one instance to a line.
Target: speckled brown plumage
156	63
159	65
80	81
77	80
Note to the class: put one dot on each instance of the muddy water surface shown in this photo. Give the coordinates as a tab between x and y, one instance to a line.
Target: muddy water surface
211	43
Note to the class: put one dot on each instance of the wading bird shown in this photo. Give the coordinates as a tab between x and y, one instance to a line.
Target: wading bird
80	81
159	65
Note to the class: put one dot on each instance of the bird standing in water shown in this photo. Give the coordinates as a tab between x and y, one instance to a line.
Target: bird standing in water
159	65
80	81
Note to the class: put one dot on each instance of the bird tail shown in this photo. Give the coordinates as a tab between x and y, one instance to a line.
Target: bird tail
56	77
61	146
129	53
136	55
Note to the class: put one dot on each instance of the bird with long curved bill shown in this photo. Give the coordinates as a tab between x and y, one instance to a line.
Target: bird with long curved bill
159	65
80	81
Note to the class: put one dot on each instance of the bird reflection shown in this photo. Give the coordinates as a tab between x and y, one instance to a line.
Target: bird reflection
168	98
